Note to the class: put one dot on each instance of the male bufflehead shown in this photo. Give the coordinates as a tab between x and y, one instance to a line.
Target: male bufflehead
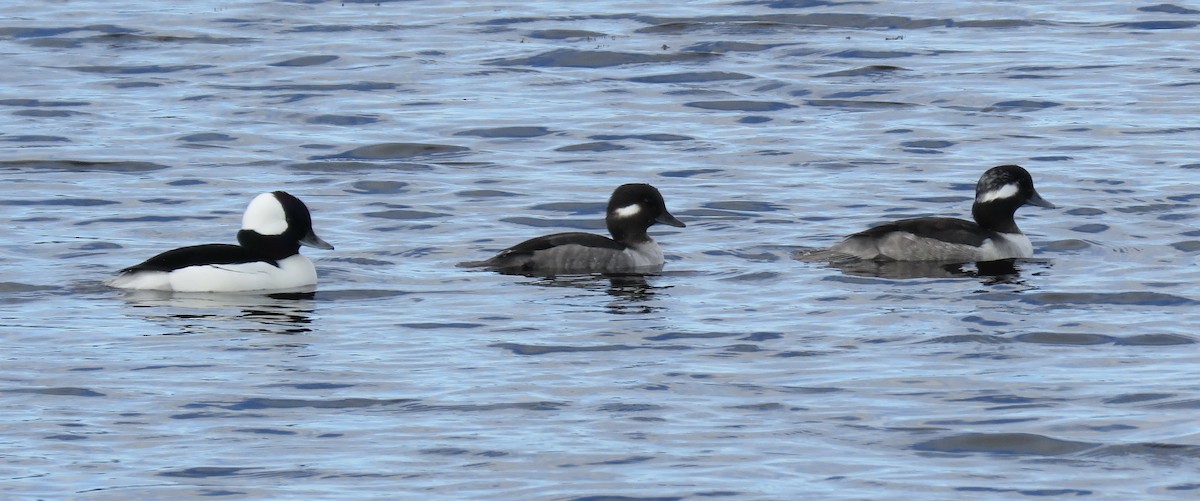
994	234
273	228
631	210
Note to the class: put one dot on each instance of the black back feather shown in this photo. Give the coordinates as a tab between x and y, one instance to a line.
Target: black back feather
549	241
946	229
195	255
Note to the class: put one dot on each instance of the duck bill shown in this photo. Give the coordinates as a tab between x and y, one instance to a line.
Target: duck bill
1039	201
667	219
312	240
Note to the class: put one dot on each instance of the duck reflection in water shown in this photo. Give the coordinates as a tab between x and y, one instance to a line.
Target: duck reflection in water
277	313
1002	271
629	292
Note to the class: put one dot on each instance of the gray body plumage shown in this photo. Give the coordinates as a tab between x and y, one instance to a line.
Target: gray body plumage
568	253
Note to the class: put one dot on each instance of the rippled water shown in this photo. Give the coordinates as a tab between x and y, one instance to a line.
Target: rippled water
426	134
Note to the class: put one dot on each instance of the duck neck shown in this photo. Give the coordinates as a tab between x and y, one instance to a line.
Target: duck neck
274	247
995	216
624	236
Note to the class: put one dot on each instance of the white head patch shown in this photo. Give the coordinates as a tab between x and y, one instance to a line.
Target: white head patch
1005	191
265	216
628	210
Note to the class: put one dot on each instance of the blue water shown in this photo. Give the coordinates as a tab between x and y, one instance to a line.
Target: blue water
424	134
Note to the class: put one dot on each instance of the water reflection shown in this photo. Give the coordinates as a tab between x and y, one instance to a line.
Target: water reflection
629	292
1003	271
990	272
279	313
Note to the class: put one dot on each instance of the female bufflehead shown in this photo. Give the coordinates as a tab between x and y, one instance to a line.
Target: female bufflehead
994	234
631	210
273	228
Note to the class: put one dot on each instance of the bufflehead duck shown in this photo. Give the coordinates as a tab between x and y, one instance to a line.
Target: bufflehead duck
994	234
273	228
631	210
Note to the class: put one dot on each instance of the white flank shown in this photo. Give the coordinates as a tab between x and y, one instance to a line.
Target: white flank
1005	191
265	216
293	272
628	210
142	280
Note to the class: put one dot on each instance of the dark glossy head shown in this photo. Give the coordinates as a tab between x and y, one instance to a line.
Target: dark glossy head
1000	191
278	223
635	207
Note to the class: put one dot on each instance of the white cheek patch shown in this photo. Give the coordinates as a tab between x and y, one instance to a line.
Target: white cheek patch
628	210
1005	191
265	216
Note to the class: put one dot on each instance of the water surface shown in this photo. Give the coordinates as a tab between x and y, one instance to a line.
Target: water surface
424	135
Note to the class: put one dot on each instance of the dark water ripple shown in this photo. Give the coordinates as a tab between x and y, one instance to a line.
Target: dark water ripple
1071	339
854	104
73	202
592	147
755	106
404	214
356	86
1004	443
307	61
394	151
28	138
81	165
343	166
67	392
508	132
343	120
207	137
789	21
862	54
208	472
138	70
692	77
565	34
730	46
642	137
875	70
1157	25
571	58
1169	9
1136	298
525	349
